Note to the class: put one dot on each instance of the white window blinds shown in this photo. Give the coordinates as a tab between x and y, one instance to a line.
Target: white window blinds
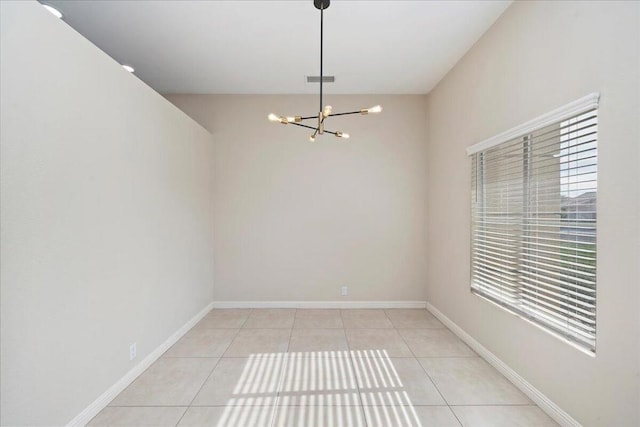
534	225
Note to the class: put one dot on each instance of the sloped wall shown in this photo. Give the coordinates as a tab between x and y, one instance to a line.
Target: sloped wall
106	218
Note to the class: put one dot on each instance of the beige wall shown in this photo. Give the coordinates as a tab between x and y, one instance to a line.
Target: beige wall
295	220
538	56
106	218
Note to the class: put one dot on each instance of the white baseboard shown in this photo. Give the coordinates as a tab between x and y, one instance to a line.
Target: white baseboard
548	406
101	402
319	304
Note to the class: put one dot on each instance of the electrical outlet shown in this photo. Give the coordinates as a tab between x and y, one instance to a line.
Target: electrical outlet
132	351
344	291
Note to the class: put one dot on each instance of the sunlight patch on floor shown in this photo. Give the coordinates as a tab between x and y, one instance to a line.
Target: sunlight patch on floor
319	388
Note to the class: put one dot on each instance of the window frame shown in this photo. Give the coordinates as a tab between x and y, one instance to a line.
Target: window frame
524	132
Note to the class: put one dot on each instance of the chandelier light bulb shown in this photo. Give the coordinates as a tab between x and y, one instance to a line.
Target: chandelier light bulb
312	138
374	110
273	118
327	111
342	135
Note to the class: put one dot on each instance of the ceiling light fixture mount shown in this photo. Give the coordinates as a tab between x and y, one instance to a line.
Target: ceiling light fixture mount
325	110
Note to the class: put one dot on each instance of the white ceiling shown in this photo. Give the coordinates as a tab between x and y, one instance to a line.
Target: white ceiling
268	47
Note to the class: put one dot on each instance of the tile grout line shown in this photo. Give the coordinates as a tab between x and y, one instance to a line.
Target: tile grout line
213	369
427	373
344	330
285	365
275	406
247	319
454	414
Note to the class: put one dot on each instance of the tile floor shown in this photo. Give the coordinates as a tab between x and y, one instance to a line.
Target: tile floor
312	368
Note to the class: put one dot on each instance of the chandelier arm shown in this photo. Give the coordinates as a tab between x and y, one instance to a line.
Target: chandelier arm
345	114
303	126
311	127
309	117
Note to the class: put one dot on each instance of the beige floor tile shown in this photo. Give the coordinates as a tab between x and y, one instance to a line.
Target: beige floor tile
319	378
258	341
413	318
138	416
316	318
202	343
503	416
435	343
168	382
271	318
410	416
365	318
471	381
319	416
231	318
287	367
378	342
243	381
394	382
313	340
228	416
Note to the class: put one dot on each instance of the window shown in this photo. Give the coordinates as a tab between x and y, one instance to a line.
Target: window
533	243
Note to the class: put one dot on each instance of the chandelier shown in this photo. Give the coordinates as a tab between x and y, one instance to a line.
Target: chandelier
325	110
